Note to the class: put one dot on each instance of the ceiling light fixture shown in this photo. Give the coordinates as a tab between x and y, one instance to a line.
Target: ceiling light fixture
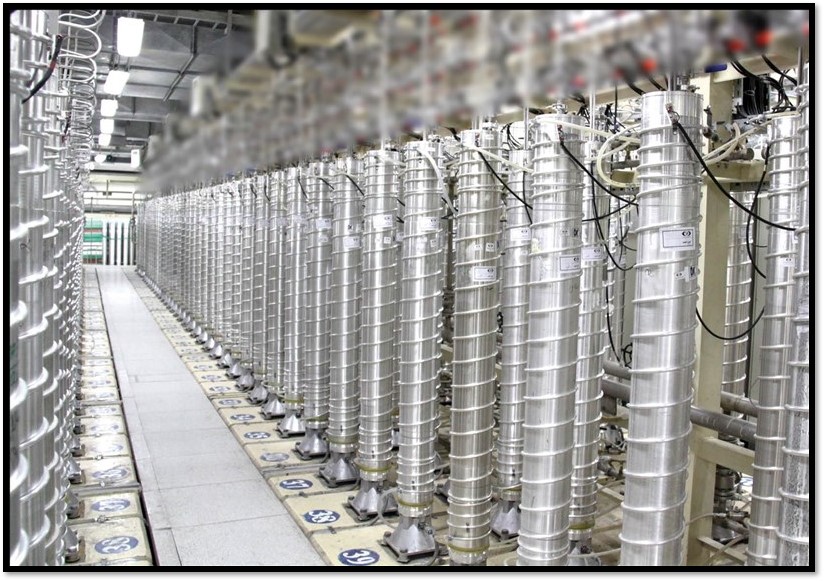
115	82
107	126
129	36
104	139
108	107
100	157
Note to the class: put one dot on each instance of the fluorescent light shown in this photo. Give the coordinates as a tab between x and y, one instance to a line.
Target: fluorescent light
108	107
135	158
104	139
115	82
107	126
129	36
100	157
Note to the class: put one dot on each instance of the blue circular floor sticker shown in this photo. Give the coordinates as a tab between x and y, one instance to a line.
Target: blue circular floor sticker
219	389
358	557
115	545
204	367
320	516
211	377
257	435
274	457
111	505
295	484
105	428
242	417
105	410
107	448
229	402
112	474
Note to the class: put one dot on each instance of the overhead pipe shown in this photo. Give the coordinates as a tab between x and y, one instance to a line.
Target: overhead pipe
344	315
316	345
794	520
377	332
554	298
785	176
664	352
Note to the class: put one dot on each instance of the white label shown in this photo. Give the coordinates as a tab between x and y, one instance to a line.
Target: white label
484	273
382	221
491	247
592	253
678	238
323	223
323	238
350	242
519	234
429	224
570	263
387	240
398	236
787	261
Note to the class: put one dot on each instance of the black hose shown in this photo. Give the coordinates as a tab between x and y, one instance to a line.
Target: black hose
58	42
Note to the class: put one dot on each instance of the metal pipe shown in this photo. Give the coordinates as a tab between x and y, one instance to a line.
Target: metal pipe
259	345
721	423
475	349
316	345
377	331
794	521
421	306
344	315
506	516
554	298
273	408
664	332
784	175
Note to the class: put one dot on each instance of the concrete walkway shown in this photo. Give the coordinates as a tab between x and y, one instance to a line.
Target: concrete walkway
206	502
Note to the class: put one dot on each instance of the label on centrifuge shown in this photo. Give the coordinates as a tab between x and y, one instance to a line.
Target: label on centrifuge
570	263
350	242
323	238
398	236
323	223
491	247
519	234
484	273
387	240
382	221
689	273
787	261
678	238
429	224
592	253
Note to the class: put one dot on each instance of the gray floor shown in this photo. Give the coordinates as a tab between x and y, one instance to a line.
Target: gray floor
206	502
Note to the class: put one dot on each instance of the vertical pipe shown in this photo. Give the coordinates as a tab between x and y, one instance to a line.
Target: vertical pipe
420	350
794	521
344	315
259	345
475	350
274	314
784	175
554	296
664	332
316	346
377	331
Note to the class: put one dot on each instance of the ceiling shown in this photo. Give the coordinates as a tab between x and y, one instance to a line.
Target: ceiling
178	45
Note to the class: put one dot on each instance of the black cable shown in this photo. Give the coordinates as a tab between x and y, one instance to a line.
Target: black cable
58	42
527	207
779	71
607	215
609	324
327	183
300	183
601	234
683	133
592	177
753	208
717	336
354	183
655	83
633	87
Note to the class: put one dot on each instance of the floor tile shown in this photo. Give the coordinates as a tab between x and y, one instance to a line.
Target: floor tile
222	502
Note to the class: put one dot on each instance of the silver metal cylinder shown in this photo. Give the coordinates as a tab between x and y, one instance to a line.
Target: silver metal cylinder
294	277
554	296
475	349
316	344
666	290
275	297
591	347
785	176
514	308
344	315
423	240
794	520
260	256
